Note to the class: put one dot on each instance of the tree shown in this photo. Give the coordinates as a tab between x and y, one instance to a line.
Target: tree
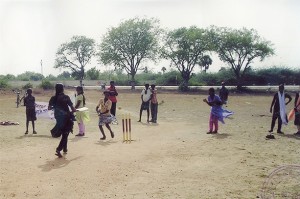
239	48
75	55
93	73
205	62
185	48
129	44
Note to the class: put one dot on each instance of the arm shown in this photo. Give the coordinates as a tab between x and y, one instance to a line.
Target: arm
273	102
289	97
296	99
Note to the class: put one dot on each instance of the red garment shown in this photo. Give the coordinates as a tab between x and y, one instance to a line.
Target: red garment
112	94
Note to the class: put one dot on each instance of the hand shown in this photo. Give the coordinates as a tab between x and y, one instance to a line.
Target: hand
204	100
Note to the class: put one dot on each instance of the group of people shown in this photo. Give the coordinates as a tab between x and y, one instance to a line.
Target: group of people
149	101
106	108
278	109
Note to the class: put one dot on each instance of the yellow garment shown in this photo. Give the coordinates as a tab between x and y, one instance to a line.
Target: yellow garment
81	116
104	106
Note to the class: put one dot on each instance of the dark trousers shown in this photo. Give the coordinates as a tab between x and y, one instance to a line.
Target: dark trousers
274	118
113	108
63	142
154	109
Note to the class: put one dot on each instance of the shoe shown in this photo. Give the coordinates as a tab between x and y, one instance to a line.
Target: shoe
34	132
270	136
103	138
79	134
26	132
280	132
58	154
271	131
297	134
209	132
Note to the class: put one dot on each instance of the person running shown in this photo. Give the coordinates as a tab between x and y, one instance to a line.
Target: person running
146	95
297	113
81	116
105	117
278	108
216	113
223	93
64	122
154	104
29	103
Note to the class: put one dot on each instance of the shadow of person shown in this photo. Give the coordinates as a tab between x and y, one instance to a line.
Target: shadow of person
34	135
56	163
105	143
221	135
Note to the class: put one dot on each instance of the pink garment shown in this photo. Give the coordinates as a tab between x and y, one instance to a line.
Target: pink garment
81	128
213	121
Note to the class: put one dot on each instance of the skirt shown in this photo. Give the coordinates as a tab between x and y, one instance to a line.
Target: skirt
106	119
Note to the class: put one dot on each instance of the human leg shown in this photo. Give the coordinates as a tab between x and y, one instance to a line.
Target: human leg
111	132
141	111
148	114
210	123
102	132
27	124
33	127
63	144
279	125
274	118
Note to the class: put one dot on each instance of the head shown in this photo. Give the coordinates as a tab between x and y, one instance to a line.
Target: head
223	84
79	89
211	91
281	87
153	86
146	86
29	91
112	83
59	88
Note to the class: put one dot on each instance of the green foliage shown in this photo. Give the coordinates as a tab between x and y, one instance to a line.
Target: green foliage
238	48
46	84
27	86
30	76
185	47
93	74
64	75
75	55
3	83
172	78
129	44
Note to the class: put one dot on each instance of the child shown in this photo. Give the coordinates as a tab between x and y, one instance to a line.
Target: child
29	102
146	96
105	117
217	113
279	110
81	116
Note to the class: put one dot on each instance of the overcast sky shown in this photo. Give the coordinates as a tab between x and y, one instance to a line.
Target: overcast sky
32	30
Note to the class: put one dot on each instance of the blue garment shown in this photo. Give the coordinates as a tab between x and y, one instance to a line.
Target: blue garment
217	110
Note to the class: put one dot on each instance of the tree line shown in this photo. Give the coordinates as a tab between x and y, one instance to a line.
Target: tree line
135	42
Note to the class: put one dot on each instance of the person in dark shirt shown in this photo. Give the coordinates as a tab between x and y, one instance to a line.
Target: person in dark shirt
29	102
223	93
297	113
64	117
278	109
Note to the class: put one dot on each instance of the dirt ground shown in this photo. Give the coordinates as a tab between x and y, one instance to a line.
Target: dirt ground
174	158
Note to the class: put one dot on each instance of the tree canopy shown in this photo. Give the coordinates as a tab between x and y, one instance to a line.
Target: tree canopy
75	55
185	47
239	48
132	42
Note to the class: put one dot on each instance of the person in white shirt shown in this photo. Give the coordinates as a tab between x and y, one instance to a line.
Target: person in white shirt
146	95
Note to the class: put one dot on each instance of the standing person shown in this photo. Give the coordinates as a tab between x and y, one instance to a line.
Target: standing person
223	93
297	113
29	102
216	113
146	95
105	117
81	116
64	122
278	107
113	97
154	104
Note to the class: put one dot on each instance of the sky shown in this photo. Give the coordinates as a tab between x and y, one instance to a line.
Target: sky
33	30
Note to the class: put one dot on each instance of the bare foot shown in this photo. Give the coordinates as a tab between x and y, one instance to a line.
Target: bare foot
112	134
103	138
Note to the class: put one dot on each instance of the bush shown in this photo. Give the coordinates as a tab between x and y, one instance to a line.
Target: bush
3	83
27	86
46	84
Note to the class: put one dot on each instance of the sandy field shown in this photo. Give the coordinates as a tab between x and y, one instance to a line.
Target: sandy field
173	159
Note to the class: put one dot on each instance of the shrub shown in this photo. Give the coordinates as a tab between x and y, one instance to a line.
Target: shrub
46	84
3	83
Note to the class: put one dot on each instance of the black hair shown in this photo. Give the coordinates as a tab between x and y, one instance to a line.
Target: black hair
80	88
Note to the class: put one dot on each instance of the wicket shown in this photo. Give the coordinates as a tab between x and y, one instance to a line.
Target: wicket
126	126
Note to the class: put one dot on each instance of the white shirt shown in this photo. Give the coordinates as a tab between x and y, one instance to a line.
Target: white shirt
146	96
